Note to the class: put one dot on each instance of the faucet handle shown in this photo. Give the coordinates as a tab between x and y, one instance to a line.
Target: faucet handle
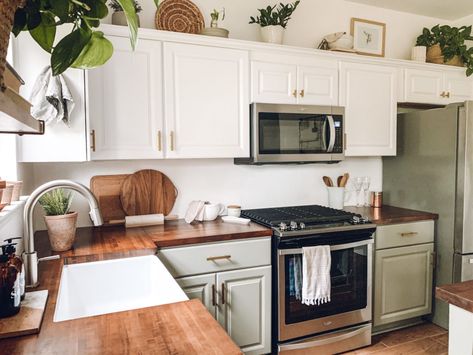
46	258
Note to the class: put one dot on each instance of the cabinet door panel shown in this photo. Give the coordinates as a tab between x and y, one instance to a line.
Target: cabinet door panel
424	86
319	84
369	94
459	87
206	101
403	283
199	287
274	83
125	102
246	312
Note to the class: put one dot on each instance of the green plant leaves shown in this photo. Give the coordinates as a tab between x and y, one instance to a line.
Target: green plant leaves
45	33
96	52
98	9
60	8
277	15
128	7
68	50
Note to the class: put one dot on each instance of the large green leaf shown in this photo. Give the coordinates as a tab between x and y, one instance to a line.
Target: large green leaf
60	8
98	9
96	53
45	33
68	49
19	21
128	7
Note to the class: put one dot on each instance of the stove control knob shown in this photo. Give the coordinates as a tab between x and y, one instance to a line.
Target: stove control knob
302	225
282	226
293	225
356	220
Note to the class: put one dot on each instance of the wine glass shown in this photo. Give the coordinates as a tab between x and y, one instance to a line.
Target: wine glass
365	186
358	183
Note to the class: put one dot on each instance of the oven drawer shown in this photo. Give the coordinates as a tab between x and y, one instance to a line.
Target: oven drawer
331	343
216	257
399	235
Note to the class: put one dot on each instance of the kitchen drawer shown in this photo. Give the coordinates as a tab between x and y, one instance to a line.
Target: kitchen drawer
399	235
216	257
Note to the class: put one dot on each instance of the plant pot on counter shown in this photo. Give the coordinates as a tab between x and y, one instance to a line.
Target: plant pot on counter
272	34
434	55
119	18
61	231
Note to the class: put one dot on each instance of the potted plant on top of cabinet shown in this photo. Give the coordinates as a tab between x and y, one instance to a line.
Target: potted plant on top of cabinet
273	21
119	16
61	223
446	45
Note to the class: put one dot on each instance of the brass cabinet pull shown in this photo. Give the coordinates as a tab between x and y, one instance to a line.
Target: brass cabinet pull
160	147
223	292
442	94
92	136
447	94
213	296
409	234
220	257
294	93
302	93
172	140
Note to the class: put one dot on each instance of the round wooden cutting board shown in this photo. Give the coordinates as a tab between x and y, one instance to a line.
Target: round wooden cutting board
147	192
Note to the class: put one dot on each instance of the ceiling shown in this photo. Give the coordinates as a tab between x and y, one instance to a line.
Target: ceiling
443	9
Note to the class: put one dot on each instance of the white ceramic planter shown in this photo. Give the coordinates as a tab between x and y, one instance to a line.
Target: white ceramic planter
272	34
419	53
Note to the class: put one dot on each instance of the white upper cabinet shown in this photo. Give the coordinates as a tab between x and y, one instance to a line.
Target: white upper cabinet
369	94
436	87
125	103
206	92
61	142
309	84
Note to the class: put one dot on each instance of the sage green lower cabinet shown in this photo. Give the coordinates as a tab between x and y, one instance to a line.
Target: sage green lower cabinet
200	287
403	276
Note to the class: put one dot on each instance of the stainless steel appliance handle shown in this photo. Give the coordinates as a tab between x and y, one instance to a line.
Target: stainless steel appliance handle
331	124
322	342
324	130
332	247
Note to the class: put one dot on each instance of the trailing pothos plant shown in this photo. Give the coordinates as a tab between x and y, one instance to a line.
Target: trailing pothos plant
451	41
277	15
84	47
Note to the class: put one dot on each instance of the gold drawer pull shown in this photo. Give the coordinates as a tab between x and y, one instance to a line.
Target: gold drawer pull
92	137
302	94
294	93
409	234
221	257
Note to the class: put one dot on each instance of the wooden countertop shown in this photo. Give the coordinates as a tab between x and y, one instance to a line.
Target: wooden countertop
179	328
392	215
459	294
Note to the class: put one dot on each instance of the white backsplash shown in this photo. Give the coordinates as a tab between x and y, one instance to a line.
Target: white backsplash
219	180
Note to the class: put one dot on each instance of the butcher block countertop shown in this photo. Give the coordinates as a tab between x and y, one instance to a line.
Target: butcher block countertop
392	215
178	328
459	294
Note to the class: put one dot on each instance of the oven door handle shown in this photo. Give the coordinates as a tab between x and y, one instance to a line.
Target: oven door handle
316	343
332	247
331	124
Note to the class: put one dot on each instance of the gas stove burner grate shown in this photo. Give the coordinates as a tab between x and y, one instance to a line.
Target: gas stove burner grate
310	215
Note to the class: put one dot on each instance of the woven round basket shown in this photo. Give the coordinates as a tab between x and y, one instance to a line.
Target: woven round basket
7	14
179	16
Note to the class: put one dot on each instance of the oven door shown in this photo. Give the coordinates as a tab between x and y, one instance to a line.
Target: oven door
292	133
350	304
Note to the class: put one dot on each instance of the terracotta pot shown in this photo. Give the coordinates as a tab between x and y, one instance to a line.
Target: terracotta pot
272	34
119	18
434	55
61	231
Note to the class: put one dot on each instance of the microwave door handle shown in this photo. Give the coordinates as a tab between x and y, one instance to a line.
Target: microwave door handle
331	124
324	134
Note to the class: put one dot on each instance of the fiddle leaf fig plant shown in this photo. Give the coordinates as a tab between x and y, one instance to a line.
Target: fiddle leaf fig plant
451	41
84	47
277	15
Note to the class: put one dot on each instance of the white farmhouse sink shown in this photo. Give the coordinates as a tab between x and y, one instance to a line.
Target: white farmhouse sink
110	286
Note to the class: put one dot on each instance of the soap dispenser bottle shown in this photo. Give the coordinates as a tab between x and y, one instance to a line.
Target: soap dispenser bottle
9	288
18	262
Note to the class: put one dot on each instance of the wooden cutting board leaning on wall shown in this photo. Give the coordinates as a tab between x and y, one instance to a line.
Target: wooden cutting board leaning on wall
106	189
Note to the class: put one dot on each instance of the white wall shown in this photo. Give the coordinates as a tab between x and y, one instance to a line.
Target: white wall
312	20
219	180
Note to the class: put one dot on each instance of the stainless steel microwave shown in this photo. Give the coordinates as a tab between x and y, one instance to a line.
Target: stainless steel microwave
281	134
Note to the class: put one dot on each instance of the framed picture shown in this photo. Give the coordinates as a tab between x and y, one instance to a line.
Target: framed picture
368	37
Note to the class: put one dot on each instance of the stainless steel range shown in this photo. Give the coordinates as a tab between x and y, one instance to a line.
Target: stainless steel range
342	324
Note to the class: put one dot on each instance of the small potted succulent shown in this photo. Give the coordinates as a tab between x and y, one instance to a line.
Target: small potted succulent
61	223
446	45
118	16
214	30
273	21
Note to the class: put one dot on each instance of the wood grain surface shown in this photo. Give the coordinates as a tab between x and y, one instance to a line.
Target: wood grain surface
459	294
392	215
147	192
106	189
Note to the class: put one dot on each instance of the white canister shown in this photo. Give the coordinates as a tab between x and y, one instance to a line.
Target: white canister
272	34
336	197
419	54
234	210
